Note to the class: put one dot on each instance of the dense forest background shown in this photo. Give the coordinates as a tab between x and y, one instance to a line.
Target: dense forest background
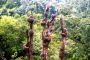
13	26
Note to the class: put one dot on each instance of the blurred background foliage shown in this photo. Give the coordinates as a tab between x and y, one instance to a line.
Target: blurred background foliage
13	26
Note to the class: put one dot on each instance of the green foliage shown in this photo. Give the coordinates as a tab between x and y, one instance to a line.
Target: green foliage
78	29
12	37
12	33
13	29
2	2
